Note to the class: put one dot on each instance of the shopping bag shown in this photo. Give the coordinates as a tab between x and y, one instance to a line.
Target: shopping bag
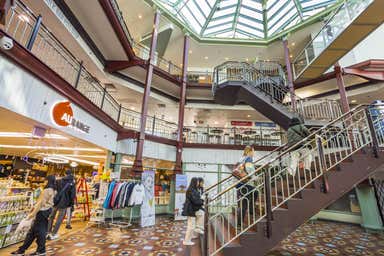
24	224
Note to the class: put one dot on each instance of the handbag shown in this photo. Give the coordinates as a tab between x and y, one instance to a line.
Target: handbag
24	224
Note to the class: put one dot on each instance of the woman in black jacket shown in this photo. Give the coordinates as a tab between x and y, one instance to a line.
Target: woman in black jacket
193	203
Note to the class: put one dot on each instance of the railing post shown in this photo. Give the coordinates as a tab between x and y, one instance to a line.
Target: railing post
323	165
268	202
119	114
78	75
102	100
153	125
206	226
34	32
375	141
169	67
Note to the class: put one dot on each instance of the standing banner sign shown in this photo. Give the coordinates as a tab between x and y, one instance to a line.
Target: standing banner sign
148	206
181	188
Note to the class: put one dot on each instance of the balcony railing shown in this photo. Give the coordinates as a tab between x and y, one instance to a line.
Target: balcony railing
340	20
22	24
260	136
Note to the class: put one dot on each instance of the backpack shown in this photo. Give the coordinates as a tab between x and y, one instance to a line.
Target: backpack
60	196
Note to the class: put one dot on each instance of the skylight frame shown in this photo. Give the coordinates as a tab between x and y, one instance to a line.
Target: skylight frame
298	15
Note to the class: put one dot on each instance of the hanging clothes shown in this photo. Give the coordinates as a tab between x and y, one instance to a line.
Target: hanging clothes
124	194
109	195
137	196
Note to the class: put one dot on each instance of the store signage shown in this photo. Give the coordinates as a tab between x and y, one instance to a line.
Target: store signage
181	188
265	124
241	123
148	207
62	115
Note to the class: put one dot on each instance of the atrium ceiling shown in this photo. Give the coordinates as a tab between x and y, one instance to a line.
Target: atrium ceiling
242	19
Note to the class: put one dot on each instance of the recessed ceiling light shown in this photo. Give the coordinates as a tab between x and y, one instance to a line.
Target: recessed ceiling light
291	56
226	58
353	101
246	59
216	122
293	44
206	57
248	116
140	16
132	108
190	51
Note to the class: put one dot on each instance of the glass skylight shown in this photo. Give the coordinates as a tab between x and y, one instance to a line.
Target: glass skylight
244	19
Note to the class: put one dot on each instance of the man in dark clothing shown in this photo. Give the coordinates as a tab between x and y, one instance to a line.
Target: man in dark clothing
64	200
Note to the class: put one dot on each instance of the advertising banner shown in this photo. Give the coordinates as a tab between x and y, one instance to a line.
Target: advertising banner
241	123
148	206
181	188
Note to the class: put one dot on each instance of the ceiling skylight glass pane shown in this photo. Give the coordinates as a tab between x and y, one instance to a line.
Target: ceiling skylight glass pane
242	18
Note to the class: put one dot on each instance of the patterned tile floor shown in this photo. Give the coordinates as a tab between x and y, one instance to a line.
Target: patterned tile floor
319	238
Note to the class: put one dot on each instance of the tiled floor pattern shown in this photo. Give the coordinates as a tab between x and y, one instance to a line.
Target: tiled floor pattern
319	238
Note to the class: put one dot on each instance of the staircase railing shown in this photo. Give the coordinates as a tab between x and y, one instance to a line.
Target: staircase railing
337	23
230	180
271	185
273	84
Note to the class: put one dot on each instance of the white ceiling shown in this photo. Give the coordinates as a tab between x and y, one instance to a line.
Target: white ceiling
12	122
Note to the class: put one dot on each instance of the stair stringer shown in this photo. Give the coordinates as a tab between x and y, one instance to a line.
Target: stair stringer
348	175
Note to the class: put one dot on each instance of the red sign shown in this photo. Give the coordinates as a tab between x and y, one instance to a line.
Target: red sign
241	123
62	115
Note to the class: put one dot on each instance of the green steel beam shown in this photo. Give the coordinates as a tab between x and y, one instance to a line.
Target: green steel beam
299	9
265	23
213	10
236	17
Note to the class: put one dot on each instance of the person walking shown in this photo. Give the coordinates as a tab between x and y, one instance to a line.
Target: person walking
64	199
200	213
193	203
40	215
296	133
246	193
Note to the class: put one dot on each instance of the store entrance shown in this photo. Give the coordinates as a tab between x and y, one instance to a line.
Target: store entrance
29	152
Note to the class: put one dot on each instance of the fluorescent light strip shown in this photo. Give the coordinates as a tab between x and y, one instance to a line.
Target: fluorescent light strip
50	147
78	160
73	155
29	135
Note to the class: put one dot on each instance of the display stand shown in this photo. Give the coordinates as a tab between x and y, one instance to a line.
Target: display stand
82	189
13	208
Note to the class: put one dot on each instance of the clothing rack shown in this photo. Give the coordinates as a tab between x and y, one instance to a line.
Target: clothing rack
122	224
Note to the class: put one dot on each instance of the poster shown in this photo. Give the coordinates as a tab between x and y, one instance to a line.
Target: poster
148	207
181	188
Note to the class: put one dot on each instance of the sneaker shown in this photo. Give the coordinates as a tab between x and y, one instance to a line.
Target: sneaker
37	254
20	253
188	243
54	237
68	227
199	231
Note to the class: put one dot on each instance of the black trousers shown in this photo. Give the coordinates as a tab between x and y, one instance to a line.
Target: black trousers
38	231
246	203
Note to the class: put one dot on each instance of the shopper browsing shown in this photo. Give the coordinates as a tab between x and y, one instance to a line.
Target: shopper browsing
64	199
193	203
40	215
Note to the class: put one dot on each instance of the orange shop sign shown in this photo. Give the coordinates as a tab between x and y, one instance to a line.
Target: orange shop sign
62	115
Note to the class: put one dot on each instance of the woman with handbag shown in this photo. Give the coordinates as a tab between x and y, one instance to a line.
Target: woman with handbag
193	203
246	193
40	214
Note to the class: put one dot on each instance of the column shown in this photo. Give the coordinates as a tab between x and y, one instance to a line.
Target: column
288	64
370	213
183	89
138	165
340	84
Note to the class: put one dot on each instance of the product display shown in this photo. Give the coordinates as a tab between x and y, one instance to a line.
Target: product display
15	204
124	194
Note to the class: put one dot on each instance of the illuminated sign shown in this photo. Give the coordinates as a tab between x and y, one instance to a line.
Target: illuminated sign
62	115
